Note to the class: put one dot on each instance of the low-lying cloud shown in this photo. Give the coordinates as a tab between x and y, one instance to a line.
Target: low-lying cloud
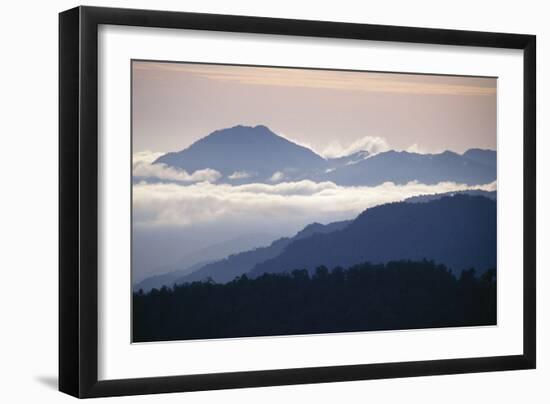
142	166
239	175
169	204
372	144
277	176
145	156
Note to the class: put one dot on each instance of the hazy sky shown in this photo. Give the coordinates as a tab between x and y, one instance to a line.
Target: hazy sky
333	112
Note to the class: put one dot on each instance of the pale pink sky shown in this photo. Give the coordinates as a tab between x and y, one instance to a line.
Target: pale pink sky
175	104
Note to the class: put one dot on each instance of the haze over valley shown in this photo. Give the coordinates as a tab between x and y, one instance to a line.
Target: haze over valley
238	197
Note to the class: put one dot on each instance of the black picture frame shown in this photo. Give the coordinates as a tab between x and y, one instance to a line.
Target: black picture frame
78	201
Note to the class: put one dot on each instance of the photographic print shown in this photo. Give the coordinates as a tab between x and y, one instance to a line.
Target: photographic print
271	201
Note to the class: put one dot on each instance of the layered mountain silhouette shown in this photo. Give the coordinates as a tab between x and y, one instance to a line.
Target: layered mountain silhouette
428	261
169	274
245	154
236	264
457	231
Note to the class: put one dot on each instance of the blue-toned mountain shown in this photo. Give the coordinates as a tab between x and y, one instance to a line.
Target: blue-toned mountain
244	154
470	168
482	156
458	231
237	264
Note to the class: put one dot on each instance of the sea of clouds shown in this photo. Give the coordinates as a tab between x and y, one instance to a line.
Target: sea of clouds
175	204
185	211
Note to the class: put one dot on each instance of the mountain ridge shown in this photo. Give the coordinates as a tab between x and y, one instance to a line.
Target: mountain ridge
227	269
249	154
458	231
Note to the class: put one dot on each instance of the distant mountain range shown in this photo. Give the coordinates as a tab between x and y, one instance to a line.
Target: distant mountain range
457	230
403	167
236	264
245	154
169	274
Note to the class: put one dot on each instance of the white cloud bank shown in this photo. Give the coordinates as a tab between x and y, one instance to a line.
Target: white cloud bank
304	201
372	144
142	166
277	176
145	156
239	175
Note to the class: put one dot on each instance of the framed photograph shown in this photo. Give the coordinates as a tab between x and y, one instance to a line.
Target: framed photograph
250	201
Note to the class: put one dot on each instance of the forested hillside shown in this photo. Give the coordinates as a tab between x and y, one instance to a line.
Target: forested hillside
365	297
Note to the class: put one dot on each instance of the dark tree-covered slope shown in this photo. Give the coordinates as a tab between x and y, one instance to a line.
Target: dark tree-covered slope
458	231
398	295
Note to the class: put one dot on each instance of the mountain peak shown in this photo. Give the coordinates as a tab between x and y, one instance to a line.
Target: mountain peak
241	130
254	151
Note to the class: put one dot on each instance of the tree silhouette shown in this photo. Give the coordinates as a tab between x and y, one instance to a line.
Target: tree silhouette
364	297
